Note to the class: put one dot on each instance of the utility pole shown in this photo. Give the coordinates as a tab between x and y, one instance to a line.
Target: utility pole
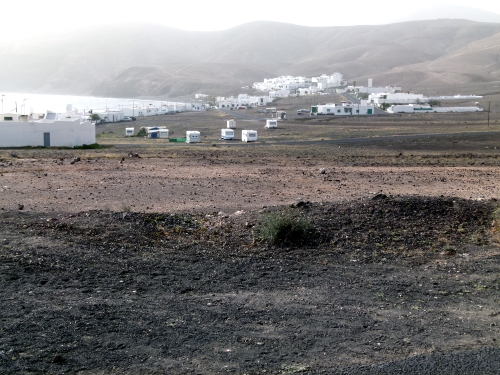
489	114
2	101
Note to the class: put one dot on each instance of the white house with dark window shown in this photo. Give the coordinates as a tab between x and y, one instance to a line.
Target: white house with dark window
53	130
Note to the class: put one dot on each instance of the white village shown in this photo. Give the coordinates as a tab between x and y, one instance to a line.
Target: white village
77	127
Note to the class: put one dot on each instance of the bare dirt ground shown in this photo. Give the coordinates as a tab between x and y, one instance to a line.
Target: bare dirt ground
155	264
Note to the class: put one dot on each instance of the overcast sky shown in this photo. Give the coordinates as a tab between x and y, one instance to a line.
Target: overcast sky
29	18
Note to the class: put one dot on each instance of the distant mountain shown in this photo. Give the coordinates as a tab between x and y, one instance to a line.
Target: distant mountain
445	11
152	60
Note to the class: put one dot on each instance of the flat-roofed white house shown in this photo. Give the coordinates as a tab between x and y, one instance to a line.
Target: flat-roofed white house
53	130
344	109
397	98
243	99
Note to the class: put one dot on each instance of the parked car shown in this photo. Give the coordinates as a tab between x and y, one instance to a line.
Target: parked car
261	111
303	111
127	118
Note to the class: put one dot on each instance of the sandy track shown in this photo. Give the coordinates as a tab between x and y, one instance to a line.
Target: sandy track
162	184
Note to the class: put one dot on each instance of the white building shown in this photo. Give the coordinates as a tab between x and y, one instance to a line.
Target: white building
416	108
327	81
109	115
243	100
29	130
279	93
397	98
307	91
282	83
344	109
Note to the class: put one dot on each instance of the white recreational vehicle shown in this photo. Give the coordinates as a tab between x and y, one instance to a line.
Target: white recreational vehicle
249	135
271	124
231	124
193	136
163	133
129	132
227	134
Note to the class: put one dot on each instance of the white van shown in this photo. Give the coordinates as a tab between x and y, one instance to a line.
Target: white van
231	124
249	135
227	134
193	137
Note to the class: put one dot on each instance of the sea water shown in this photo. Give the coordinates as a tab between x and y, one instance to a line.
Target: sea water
40	103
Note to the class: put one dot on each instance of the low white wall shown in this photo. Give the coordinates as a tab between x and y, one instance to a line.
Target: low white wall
67	133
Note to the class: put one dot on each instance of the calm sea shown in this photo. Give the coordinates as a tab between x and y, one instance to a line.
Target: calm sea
39	103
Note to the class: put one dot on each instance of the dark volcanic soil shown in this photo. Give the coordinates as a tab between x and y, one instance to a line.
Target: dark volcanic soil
390	285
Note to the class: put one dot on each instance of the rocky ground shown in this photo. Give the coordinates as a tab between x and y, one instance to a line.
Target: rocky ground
159	263
372	282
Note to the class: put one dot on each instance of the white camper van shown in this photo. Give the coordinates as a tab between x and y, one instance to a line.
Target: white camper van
193	137
271	124
129	132
227	134
231	124
249	135
163	133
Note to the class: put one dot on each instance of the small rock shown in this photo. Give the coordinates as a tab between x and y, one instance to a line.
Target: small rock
322	171
58	359
379	196
20	206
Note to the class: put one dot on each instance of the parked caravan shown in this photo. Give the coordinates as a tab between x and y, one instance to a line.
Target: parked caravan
249	135
227	134
129	132
231	124
163	133
193	137
271	124
154	131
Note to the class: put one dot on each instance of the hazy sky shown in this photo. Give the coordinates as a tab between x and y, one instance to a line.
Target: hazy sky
32	17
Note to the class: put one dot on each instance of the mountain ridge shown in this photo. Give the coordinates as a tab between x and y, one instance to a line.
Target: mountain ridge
156	60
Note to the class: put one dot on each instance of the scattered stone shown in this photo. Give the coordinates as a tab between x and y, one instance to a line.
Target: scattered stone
322	171
20	206
379	196
133	155
58	359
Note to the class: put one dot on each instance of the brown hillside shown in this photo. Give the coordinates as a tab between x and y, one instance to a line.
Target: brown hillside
151	60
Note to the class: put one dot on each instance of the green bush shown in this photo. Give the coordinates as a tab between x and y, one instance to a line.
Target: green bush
283	227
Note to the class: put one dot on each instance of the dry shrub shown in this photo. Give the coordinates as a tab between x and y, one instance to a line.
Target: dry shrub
283	227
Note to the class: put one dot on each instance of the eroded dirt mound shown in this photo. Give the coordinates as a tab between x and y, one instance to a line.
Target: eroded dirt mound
372	280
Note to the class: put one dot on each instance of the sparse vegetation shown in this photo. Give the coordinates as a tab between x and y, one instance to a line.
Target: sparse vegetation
93	146
283	227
